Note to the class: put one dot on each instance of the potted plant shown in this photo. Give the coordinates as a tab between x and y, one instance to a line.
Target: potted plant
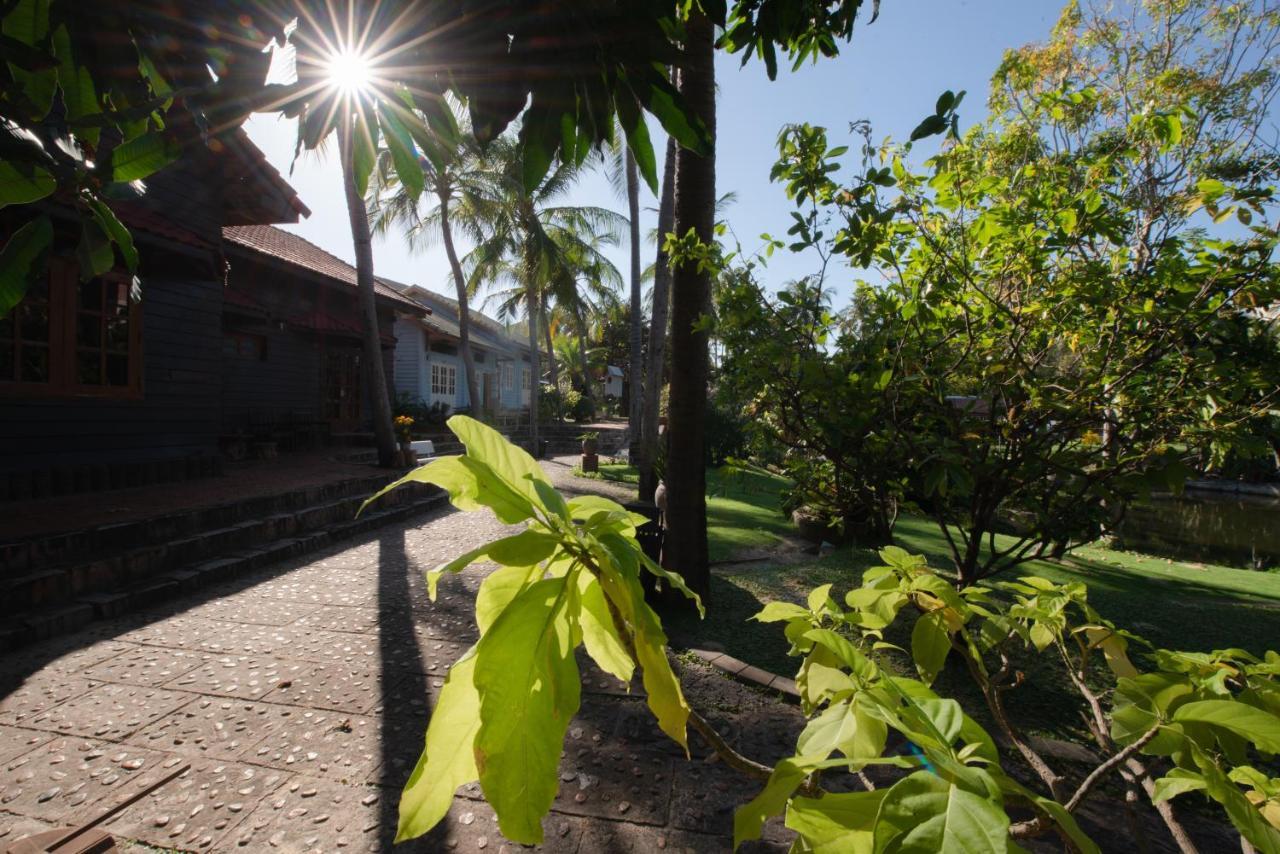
590	443
403	426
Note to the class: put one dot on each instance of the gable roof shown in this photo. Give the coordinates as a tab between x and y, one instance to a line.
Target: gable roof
485	331
288	247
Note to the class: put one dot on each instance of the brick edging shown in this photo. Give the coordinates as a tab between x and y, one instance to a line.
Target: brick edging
748	673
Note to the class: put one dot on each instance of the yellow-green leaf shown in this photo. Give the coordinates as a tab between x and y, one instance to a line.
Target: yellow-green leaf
447	760
599	634
529	689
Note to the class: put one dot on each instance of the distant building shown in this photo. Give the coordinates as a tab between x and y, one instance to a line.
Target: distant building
613	381
428	366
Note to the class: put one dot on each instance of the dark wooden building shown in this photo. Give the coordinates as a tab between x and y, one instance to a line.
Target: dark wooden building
236	327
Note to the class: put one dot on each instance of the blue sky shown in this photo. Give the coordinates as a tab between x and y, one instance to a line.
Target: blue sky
890	74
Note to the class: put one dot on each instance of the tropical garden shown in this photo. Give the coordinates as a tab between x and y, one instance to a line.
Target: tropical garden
1015	332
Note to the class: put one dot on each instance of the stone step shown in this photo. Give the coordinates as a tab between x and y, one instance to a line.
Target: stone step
75	611
43	551
54	585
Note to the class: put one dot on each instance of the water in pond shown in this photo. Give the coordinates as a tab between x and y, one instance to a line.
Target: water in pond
1237	530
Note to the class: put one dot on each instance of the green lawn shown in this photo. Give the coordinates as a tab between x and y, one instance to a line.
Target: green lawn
743	512
1178	605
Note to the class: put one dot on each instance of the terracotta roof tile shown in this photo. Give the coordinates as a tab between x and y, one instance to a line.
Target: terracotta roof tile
290	248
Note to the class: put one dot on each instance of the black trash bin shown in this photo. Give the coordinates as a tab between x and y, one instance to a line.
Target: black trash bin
650	536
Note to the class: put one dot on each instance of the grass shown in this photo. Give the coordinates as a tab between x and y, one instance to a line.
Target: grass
1176	605
743	508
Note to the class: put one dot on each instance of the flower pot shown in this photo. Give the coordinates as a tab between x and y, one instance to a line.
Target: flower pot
590	447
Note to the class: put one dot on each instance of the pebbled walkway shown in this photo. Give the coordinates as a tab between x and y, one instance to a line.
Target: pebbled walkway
299	696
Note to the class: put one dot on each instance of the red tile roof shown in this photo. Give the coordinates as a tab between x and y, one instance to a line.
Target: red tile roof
292	249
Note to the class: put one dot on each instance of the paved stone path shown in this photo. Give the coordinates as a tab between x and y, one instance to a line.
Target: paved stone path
299	696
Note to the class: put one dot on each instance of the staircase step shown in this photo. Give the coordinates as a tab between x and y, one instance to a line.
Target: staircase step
49	618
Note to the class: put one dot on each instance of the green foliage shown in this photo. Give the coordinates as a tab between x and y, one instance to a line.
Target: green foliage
1214	717
570	578
817	385
1054	337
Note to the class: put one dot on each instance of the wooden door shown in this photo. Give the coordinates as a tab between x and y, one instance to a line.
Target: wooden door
342	389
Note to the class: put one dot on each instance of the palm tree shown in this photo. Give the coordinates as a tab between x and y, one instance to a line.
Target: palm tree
625	176
459	190
533	246
685	547
351	123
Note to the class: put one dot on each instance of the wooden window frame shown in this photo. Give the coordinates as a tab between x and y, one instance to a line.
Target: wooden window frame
64	282
260	342
448	380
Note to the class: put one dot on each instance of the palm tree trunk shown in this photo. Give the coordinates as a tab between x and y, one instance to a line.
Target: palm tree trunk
553	366
583	364
535	366
637	329
376	377
657	332
464	313
685	548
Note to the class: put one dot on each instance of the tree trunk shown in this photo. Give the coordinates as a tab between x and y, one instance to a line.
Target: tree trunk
657	332
551	355
464	313
376	377
637	329
583	364
535	365
685	549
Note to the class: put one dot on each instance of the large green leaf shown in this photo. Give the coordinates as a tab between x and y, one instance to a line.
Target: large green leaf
509	463
777	611
471	485
672	578
926	814
497	591
20	186
142	156
403	154
364	153
93	252
664	695
1261	728
119	235
600	635
843	726
447	759
1246	817
22	260
78	92
930	643
1055	810
27	23
842	823
529	689
749	819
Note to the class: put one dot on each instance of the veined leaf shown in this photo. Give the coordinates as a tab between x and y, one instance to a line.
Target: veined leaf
20	187
524	549
78	92
529	689
117	232
749	819
22	260
405	157
665	697
142	156
836	823
511	464
447	759
599	634
930	643
777	611
925	813
1178	781
28	24
672	578
846	727
364	154
498	590
1261	728
471	485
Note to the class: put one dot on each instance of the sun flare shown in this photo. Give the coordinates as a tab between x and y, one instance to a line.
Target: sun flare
350	72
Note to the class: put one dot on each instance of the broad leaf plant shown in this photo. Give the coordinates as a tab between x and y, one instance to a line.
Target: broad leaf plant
1168	723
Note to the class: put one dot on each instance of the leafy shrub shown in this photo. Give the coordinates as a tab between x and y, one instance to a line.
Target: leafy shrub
725	436
422	413
579	406
1184	722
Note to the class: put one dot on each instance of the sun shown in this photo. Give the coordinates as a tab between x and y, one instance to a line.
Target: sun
349	72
